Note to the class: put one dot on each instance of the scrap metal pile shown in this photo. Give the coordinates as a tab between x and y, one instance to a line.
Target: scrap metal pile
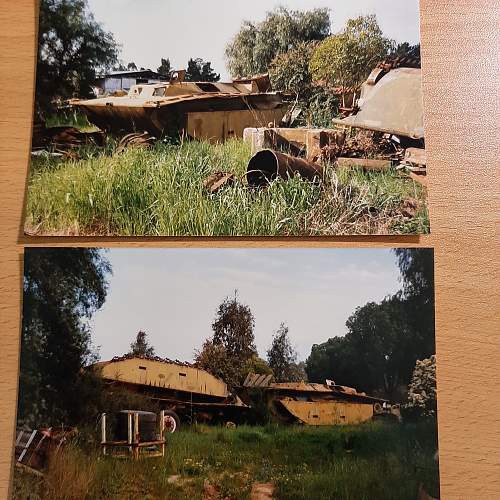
385	128
35	448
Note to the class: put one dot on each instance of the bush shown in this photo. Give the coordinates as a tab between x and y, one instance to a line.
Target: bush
289	72
422	390
346	59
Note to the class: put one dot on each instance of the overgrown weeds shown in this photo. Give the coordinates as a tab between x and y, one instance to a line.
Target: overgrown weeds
159	191
369	461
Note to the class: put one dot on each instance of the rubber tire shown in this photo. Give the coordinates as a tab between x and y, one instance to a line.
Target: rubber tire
170	413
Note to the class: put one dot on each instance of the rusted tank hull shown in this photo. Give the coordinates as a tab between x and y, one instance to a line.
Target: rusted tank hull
216	126
393	105
162	377
326	412
213	118
267	165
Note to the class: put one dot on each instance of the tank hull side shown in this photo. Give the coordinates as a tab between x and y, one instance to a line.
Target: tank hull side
328	412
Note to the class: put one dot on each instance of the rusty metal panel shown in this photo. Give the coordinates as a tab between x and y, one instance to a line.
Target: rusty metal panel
215	126
328	412
393	105
267	165
301	386
164	375
256	380
163	108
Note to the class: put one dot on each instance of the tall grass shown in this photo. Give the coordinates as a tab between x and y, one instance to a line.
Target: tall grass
159	191
70	118
383	461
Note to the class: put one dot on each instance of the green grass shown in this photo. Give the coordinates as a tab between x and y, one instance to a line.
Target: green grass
70	118
387	461
159	191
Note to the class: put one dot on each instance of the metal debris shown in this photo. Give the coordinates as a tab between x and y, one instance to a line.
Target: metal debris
296	141
268	165
63	137
415	159
218	180
393	104
135	140
257	380
138	434
34	448
314	404
182	390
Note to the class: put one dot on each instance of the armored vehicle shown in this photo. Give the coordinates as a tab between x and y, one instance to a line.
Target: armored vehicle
317	404
201	110
186	393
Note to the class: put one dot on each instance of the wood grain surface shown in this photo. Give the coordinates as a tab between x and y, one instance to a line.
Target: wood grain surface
460	45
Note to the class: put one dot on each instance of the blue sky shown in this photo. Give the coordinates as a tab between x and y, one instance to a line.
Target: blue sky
151	29
173	294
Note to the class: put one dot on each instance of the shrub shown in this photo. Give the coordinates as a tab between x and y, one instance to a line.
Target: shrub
422	390
346	59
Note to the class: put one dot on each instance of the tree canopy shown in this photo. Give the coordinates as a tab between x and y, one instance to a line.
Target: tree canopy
72	49
347	58
230	350
256	44
289	71
200	71
63	287
141	347
282	357
165	67
384	340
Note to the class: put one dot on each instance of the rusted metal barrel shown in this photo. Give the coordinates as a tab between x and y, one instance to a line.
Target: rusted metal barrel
267	165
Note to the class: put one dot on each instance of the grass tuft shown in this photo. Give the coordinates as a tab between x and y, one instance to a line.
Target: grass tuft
383	461
159	191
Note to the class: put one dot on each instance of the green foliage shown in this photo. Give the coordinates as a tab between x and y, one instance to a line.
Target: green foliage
230	352
72	49
159	191
282	357
62	289
417	273
346	59
384	340
233	329
387	462
141	347
255	46
200	71
165	67
289	71
257	365
406	49
321	107
214	359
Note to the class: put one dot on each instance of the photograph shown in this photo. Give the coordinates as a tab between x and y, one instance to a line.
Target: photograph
281	118
227	374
